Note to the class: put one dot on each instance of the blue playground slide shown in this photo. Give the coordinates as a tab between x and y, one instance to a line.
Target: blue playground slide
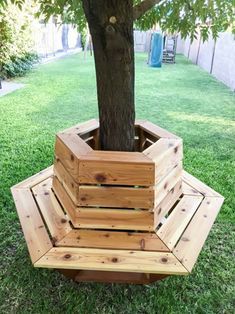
155	58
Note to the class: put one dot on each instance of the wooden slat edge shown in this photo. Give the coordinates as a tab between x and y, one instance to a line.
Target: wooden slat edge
192	240
34	229
83	127
200	186
112	260
118	240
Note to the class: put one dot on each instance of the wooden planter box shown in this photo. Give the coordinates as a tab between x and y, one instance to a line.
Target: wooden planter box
132	217
117	190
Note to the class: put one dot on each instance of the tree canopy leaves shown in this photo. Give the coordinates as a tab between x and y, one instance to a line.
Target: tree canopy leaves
184	16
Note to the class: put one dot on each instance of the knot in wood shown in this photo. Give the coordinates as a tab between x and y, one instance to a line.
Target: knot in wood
112	19
100	177
67	256
164	260
110	29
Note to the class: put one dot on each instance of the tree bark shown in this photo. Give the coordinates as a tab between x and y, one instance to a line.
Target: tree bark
111	27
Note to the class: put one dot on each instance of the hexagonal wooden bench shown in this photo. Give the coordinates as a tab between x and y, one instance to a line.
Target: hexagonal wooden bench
103	216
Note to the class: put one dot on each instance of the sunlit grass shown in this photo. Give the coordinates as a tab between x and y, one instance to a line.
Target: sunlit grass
181	98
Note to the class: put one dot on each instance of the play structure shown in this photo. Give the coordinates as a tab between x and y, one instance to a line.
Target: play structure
169	50
106	216
162	49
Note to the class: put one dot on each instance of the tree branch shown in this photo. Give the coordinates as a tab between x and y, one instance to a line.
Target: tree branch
143	7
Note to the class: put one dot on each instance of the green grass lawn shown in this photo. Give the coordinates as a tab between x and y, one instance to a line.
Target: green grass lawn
181	98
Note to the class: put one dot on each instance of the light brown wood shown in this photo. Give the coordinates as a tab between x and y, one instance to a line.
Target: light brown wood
55	219
64	198
116	171
35	233
193	238
112	260
167	203
189	190
35	179
155	130
114	219
144	241
199	186
69	148
123	197
178	220
166	154
117	157
68	182
84	127
167	183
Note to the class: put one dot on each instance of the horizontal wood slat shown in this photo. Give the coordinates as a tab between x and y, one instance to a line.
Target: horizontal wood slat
167	203
166	154
51	211
68	182
178	220
112	260
69	148
167	183
114	219
122	197
193	238
116	172
64	198
144	241
35	233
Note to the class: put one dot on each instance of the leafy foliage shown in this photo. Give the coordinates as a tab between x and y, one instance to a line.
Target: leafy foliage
184	16
16	44
189	17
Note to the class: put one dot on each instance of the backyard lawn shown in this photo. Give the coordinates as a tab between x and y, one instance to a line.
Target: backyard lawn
181	98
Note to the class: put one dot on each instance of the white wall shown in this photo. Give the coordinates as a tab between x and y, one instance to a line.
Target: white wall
48	38
217	58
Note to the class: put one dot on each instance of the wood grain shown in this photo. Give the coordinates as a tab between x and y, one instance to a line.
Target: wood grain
144	241
178	220
194	237
112	260
53	215
122	197
35	233
97	218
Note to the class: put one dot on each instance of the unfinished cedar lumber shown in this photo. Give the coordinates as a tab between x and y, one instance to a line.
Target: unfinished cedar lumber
189	190
122	219
167	183
107	239
193	238
167	203
68	182
166	154
112	260
123	197
34	229
178	220
116	172
69	148
55	219
63	197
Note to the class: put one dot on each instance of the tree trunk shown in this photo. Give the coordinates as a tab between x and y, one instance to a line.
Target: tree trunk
111	28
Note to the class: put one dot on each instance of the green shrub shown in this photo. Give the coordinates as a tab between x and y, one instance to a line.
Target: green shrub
16	39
